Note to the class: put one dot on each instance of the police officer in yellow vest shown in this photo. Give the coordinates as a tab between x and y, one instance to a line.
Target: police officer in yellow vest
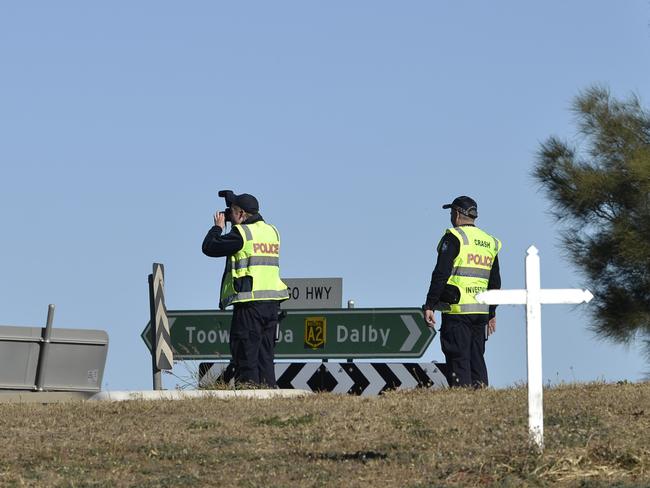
251	284
467	264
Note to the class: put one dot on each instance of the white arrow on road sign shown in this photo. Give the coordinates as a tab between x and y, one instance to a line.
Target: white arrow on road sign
406	379
434	373
414	332
301	379
280	368
343	379
146	333
376	382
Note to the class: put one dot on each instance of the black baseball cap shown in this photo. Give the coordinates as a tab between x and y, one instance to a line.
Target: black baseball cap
465	205
248	203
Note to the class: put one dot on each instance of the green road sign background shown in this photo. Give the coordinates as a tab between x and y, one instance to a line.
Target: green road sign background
349	333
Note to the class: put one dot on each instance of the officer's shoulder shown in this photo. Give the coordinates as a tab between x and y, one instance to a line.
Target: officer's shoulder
448	240
237	231
451	234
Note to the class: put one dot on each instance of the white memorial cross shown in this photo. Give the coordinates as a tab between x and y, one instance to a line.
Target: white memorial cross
533	297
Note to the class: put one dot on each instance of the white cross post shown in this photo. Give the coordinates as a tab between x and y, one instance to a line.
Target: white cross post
533	297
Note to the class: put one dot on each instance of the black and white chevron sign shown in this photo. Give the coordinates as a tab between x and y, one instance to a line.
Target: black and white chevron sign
163	343
353	378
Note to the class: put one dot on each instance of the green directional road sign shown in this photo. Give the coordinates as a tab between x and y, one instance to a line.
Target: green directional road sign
308	334
196	334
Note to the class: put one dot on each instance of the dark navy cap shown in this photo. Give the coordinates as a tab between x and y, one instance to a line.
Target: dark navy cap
248	203
465	205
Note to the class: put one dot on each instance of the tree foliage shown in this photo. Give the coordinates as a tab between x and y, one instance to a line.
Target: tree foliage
600	189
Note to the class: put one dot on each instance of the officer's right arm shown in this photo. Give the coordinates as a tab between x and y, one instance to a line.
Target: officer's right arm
220	219
429	317
217	245
492	326
448	249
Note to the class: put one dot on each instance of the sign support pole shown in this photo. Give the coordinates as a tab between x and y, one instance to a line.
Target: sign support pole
156	373
45	349
350	305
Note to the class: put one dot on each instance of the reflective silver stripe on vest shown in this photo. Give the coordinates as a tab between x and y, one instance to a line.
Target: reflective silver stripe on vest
257	261
496	245
266	294
247	231
474	308
463	235
237	297
471	272
259	295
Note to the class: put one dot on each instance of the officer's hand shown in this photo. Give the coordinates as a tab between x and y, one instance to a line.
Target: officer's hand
429	318
492	326
220	219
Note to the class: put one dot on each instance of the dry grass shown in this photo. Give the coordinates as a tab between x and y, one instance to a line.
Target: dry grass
596	436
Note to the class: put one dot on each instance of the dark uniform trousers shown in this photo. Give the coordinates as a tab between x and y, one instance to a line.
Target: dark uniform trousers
252	341
462	338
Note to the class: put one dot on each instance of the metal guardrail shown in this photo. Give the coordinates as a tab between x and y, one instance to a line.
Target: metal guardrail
47	359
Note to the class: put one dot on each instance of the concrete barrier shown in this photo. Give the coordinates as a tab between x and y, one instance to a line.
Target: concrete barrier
120	396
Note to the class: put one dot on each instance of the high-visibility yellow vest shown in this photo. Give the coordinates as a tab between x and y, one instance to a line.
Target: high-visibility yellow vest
471	268
253	273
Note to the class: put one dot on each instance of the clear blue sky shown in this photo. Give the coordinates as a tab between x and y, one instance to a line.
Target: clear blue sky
352	122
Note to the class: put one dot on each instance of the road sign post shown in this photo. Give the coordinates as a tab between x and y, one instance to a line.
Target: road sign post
43	357
161	351
373	333
533	297
151	336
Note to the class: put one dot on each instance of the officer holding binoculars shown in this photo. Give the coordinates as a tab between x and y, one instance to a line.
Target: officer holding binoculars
251	284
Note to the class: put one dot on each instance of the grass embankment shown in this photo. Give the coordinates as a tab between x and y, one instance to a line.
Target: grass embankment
596	435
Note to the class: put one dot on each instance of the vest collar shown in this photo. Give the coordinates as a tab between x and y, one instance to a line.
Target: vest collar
253	219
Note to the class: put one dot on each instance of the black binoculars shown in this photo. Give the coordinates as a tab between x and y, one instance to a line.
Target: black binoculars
228	196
